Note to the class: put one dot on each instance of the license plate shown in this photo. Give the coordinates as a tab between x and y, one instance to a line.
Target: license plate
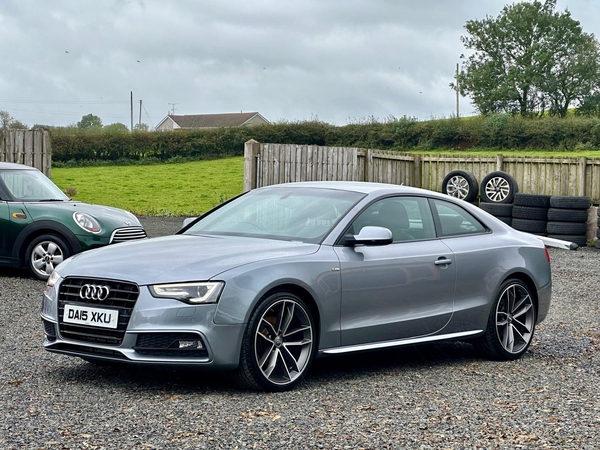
96	317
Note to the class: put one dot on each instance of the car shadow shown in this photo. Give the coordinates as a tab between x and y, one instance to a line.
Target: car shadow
329	369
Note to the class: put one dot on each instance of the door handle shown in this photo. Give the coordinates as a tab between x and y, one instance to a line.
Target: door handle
443	262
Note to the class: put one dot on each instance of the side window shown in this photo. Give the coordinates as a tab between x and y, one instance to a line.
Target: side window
408	218
455	221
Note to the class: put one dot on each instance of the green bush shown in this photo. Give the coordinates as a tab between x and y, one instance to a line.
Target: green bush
498	131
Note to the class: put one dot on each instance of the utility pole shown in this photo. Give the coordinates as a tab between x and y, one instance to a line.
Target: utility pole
140	119
457	93
131	102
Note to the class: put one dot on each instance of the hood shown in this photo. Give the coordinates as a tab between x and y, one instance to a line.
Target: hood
178	258
108	216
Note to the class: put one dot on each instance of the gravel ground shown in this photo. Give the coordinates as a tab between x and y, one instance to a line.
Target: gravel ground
427	397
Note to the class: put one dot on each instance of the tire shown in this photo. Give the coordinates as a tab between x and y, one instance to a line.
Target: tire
573	228
511	323
266	362
533	200
498	187
580	240
530	226
44	253
570	202
461	184
567	215
506	220
529	212
497	209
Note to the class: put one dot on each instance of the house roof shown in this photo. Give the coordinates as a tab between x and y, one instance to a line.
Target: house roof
213	120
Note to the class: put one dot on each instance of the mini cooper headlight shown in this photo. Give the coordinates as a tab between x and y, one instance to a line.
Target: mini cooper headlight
193	293
87	222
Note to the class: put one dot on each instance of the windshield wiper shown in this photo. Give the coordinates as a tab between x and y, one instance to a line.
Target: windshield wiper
51	200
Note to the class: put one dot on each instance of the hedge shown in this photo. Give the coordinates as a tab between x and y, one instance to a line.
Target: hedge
491	132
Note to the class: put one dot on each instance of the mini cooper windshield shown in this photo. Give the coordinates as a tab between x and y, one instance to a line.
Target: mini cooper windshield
31	186
298	214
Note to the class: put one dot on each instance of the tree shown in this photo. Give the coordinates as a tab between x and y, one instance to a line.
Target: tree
8	121
89	121
141	127
528	60
115	128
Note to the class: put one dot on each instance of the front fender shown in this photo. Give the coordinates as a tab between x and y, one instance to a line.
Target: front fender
42	227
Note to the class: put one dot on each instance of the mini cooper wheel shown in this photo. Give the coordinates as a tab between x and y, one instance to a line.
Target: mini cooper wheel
44	253
279	344
511	323
461	184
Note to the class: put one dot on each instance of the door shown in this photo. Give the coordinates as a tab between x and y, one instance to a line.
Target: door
401	290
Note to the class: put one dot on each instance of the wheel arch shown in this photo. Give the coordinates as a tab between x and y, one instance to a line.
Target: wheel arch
525	278
36	229
304	294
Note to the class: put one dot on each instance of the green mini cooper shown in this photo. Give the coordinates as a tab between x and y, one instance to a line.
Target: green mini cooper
40	226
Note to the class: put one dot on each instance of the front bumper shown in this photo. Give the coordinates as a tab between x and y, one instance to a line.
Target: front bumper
155	328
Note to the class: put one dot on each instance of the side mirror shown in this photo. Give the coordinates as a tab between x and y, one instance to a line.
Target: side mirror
370	236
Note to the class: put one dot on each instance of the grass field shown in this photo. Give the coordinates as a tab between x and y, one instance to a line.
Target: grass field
184	189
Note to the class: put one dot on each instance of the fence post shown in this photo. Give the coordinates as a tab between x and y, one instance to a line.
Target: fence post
499	162
369	165
418	178
251	149
581	176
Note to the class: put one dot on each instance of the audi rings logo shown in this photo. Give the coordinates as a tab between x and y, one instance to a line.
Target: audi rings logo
94	292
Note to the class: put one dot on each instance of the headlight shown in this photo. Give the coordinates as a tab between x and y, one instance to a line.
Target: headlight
87	222
194	293
53	279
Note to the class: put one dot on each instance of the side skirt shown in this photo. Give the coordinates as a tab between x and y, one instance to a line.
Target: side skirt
419	340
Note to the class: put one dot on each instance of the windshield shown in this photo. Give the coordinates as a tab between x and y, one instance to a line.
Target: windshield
31	186
288	213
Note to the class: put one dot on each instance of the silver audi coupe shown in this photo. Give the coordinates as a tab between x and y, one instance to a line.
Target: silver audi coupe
266	282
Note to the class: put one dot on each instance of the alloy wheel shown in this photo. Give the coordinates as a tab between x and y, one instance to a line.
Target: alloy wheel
515	318
46	255
283	342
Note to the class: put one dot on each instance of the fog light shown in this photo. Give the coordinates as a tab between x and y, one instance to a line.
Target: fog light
190	344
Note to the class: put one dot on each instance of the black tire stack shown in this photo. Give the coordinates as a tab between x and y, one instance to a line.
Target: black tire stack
502	211
567	218
530	213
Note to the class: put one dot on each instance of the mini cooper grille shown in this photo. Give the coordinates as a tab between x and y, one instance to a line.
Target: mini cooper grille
127	234
122	298
167	344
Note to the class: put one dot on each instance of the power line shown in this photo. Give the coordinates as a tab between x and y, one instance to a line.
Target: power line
66	102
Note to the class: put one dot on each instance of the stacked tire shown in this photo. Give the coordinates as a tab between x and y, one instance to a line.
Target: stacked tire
497	192
530	213
567	218
501	211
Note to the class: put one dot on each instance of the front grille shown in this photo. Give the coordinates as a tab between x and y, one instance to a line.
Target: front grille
127	234
167	344
122	298
49	330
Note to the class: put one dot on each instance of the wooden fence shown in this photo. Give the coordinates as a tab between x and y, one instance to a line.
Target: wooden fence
266	164
29	147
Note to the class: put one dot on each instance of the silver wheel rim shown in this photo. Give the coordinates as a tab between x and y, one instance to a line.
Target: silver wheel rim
458	187
283	342
46	255
515	318
497	189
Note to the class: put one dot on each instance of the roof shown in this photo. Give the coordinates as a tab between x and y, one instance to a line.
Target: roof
356	186
213	120
15	166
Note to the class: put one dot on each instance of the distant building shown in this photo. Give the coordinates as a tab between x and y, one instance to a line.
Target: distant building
200	121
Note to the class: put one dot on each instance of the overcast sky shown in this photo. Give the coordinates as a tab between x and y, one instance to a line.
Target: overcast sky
340	61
